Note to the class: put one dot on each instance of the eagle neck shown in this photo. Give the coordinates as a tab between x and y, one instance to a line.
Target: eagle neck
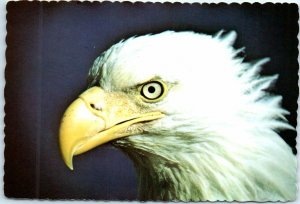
165	179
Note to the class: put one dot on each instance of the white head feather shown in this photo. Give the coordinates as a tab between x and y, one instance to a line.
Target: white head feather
219	140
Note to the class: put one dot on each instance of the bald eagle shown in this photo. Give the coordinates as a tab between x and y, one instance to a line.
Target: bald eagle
195	119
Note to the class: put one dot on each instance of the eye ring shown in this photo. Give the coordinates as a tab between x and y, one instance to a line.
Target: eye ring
153	91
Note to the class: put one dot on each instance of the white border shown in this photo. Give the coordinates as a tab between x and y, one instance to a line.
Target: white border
3	199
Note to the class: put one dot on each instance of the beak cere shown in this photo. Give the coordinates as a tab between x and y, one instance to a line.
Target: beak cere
97	117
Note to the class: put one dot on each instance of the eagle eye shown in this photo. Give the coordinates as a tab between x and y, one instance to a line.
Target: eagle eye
152	91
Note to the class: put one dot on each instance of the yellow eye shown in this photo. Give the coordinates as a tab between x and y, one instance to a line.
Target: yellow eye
152	90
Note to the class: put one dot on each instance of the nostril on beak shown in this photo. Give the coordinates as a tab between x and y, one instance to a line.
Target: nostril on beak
95	107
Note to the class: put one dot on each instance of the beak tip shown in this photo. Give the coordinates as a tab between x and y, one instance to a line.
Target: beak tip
69	161
70	165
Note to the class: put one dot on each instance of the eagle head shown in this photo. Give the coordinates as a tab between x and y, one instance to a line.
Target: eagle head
193	116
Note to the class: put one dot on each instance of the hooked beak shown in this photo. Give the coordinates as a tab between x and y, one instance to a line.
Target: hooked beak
98	117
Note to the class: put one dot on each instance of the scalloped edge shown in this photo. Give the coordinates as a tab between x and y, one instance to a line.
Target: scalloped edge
192	2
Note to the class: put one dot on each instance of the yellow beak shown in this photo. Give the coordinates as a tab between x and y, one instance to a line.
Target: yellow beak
97	117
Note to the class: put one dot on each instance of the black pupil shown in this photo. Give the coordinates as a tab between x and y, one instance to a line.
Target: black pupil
151	89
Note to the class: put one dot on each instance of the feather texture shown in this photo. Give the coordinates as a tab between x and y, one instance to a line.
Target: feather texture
219	140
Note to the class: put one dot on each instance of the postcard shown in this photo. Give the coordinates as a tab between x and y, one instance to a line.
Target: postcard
151	101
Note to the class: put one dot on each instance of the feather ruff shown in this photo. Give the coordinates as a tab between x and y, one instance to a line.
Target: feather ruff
220	138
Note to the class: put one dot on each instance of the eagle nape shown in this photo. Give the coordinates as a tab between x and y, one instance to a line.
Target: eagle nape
195	119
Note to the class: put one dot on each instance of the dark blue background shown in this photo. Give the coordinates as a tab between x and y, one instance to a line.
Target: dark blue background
51	47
